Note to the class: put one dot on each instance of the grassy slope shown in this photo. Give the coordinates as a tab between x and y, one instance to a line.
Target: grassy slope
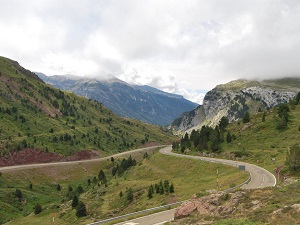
191	177
286	83
276	206
37	103
261	141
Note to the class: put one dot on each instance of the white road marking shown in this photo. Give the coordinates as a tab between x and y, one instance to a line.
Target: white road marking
161	223
130	223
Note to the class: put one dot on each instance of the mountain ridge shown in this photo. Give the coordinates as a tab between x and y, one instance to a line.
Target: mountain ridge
144	103
36	115
235	98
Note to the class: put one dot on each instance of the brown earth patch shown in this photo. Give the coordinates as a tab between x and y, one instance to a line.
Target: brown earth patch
31	156
82	155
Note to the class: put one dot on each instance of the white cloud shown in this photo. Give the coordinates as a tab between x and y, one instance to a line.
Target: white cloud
177	46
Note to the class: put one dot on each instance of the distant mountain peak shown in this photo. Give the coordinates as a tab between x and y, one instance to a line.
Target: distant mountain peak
144	103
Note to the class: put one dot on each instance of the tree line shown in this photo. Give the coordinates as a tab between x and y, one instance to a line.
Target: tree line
207	138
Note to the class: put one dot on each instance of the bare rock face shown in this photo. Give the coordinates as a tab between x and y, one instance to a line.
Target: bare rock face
185	209
216	204
211	204
235	98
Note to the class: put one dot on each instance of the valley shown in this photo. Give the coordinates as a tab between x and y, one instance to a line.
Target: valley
60	151
148	171
140	102
150	112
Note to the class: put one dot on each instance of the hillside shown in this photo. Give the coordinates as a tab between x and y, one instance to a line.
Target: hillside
143	103
262	142
109	199
38	116
276	206
235	98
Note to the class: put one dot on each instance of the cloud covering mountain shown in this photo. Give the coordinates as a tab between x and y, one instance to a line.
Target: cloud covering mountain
194	45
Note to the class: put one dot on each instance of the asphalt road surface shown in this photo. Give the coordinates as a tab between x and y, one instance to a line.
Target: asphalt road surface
39	165
260	178
153	219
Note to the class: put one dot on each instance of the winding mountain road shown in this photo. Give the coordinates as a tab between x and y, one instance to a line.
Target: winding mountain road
260	178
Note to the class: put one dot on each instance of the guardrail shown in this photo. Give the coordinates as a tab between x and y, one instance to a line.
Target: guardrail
240	185
135	213
163	206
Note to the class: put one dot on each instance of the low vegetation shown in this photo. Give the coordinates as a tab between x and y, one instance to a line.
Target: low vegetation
268	139
279	205
36	115
120	194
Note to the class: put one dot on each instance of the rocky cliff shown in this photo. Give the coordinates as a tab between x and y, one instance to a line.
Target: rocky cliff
235	98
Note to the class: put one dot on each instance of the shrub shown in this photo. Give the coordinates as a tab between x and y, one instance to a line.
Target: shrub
81	209
75	201
37	208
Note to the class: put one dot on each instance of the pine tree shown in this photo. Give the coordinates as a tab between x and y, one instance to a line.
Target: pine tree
81	209
150	192
228	138
102	177
19	194
129	196
37	208
94	179
161	190
75	201
156	188
223	123
263	119
293	157
171	188
166	185
246	117
79	189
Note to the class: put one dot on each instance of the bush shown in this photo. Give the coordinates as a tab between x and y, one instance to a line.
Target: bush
37	208
18	194
75	201
246	118
129	196
81	210
79	189
293	158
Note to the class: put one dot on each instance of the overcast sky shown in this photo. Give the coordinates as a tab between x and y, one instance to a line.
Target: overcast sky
183	47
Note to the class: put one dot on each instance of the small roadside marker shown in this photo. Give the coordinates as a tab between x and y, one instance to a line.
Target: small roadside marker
53	216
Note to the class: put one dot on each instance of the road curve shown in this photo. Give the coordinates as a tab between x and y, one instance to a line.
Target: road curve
260	177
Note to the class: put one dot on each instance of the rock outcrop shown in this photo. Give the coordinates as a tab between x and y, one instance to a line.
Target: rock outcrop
214	205
234	99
